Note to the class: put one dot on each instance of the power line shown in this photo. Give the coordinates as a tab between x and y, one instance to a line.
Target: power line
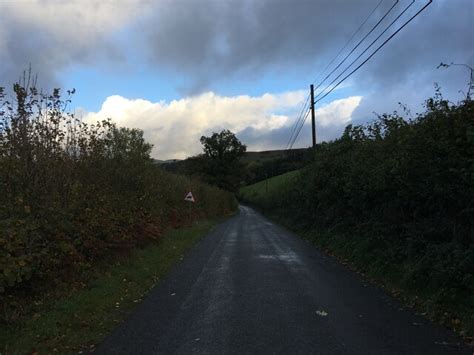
366	60
301	120
303	107
359	43
349	41
301	110
378	48
366	49
299	129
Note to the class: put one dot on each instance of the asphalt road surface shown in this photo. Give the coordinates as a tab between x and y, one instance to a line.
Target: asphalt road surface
251	287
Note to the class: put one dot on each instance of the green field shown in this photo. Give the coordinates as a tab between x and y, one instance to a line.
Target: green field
261	191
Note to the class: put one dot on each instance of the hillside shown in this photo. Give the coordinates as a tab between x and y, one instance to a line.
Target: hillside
261	191
267	155
256	165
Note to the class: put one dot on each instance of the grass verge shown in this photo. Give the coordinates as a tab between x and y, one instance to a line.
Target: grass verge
373	262
69	322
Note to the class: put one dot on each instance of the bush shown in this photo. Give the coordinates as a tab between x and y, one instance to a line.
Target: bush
72	193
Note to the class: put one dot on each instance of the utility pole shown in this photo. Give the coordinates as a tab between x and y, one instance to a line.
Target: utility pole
313	120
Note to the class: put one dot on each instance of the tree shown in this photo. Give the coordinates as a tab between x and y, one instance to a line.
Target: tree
223	146
221	159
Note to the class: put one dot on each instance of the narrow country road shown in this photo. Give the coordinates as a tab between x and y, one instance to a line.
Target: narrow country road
251	287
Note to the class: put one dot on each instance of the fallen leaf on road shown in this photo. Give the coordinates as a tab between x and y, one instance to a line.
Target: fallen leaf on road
445	343
321	313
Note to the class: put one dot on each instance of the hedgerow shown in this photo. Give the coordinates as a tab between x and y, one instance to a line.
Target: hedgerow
72	193
396	192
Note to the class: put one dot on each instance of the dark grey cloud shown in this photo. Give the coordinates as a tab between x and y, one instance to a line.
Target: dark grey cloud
211	40
208	41
406	70
444	32
215	41
54	36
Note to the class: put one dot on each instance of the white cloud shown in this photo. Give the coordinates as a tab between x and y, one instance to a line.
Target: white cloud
337	112
175	127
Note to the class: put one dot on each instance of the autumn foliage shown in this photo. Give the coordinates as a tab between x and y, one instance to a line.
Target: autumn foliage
72	193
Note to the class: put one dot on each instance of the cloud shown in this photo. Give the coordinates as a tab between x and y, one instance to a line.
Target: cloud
214	40
54	35
208	45
261	122
338	112
331	119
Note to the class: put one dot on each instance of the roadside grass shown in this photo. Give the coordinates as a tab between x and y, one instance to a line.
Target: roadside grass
373	263
69	322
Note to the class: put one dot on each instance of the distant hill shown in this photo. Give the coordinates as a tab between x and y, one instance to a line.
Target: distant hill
268	155
265	155
258	165
169	161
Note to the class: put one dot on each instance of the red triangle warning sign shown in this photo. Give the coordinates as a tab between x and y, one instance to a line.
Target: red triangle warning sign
189	197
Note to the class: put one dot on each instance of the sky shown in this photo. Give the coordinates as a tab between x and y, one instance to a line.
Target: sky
185	68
